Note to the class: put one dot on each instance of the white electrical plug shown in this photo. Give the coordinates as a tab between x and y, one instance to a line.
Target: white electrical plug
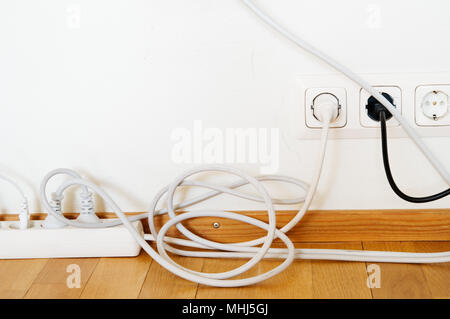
51	222
435	105
87	214
326	104
24	216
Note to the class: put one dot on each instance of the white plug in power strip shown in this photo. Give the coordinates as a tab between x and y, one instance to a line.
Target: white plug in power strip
66	242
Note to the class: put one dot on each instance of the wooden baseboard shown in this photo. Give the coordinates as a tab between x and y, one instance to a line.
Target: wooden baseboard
321	226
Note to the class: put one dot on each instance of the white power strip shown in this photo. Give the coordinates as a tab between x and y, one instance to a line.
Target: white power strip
66	242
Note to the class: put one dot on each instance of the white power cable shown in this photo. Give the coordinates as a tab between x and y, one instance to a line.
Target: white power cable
256	254
161	257
248	249
357	79
15	185
87	202
24	211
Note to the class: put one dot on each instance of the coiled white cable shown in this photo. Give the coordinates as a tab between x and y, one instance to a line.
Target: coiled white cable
244	249
256	254
236	250
162	258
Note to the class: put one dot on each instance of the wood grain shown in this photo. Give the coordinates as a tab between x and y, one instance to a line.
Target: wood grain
117	278
437	275
400	281
133	277
335	226
337	279
415	231
160	283
51	282
323	226
295	282
17	276
303	279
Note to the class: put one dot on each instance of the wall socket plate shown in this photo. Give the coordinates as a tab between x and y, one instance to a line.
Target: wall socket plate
354	129
394	91
421	93
312	93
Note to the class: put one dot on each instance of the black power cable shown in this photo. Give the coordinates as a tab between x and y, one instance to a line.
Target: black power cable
387	168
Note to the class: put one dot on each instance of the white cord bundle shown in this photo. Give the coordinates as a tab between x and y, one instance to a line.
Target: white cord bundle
248	249
244	249
237	250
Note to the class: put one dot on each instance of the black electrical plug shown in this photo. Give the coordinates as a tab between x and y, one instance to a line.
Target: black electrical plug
374	107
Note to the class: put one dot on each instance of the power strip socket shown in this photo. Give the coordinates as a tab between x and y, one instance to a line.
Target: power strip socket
66	242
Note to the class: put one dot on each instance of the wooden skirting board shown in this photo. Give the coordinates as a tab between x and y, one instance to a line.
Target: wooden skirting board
320	226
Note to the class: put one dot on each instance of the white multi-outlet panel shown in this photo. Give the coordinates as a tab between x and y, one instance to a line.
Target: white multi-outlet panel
65	242
422	98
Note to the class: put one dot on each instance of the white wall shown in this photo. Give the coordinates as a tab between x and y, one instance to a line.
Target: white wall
104	93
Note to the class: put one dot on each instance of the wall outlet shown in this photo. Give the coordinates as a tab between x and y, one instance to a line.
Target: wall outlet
394	91
312	93
432	105
407	89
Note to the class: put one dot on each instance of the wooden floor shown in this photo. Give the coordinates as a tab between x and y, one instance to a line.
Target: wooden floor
142	278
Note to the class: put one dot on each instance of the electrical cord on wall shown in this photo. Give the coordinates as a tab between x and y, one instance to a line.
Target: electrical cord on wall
357	79
326	113
257	249
390	178
244	249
